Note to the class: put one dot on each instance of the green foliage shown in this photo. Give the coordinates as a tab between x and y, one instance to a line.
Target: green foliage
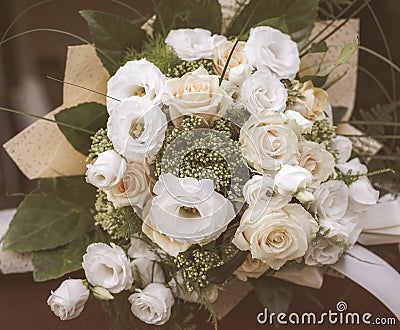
274	294
320	47
322	132
320	79
90	116
324	234
186	66
51	264
176	14
295	17
157	52
56	213
113	35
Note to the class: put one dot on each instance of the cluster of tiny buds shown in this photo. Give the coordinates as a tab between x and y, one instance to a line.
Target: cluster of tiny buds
100	143
185	67
322	132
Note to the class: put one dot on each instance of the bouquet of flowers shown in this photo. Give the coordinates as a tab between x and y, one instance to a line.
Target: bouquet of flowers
208	157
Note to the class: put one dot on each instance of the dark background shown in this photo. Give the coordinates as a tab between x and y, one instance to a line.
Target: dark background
24	65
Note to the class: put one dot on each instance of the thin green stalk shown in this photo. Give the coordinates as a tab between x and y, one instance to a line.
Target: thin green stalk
20	15
160	18
85	88
385	137
371	123
377	82
236	42
340	25
137	12
48	119
328	25
61	32
381	57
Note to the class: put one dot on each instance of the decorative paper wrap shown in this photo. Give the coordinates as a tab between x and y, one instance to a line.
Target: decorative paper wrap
12	262
41	150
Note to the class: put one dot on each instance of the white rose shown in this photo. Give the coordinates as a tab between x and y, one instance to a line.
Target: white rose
108	267
140	249
68	301
260	189
319	162
292	179
345	230
221	54
268	142
194	44
343	146
137	129
153	304
276	237
133	189
362	195
263	91
146	271
312	103
179	290
107	170
301	125
331	199
251	268
186	211
269	49
135	79
195	92
240	73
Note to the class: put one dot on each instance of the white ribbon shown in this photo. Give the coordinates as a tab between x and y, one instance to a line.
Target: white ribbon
373	274
381	224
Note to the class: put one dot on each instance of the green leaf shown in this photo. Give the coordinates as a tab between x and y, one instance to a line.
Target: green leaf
175	14
113	35
274	294
320	79
219	275
344	56
298	16
91	116
338	113
320	47
51	264
56	213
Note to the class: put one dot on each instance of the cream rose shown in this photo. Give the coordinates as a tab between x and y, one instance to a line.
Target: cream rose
263	91
194	44
269	49
319	162
141	79
298	123
107	266
153	304
221	54
267	142
68	301
133	189
276	237
195	92
107	170
260	189
251	268
331	199
137	129
312	103
186	211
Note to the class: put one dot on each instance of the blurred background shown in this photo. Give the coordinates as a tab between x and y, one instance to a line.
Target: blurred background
26	61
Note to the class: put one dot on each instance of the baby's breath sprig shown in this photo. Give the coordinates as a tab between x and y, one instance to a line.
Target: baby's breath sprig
348	178
185	66
119	223
322	132
100	143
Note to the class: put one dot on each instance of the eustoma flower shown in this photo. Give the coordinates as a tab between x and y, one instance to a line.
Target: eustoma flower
193	44
185	212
